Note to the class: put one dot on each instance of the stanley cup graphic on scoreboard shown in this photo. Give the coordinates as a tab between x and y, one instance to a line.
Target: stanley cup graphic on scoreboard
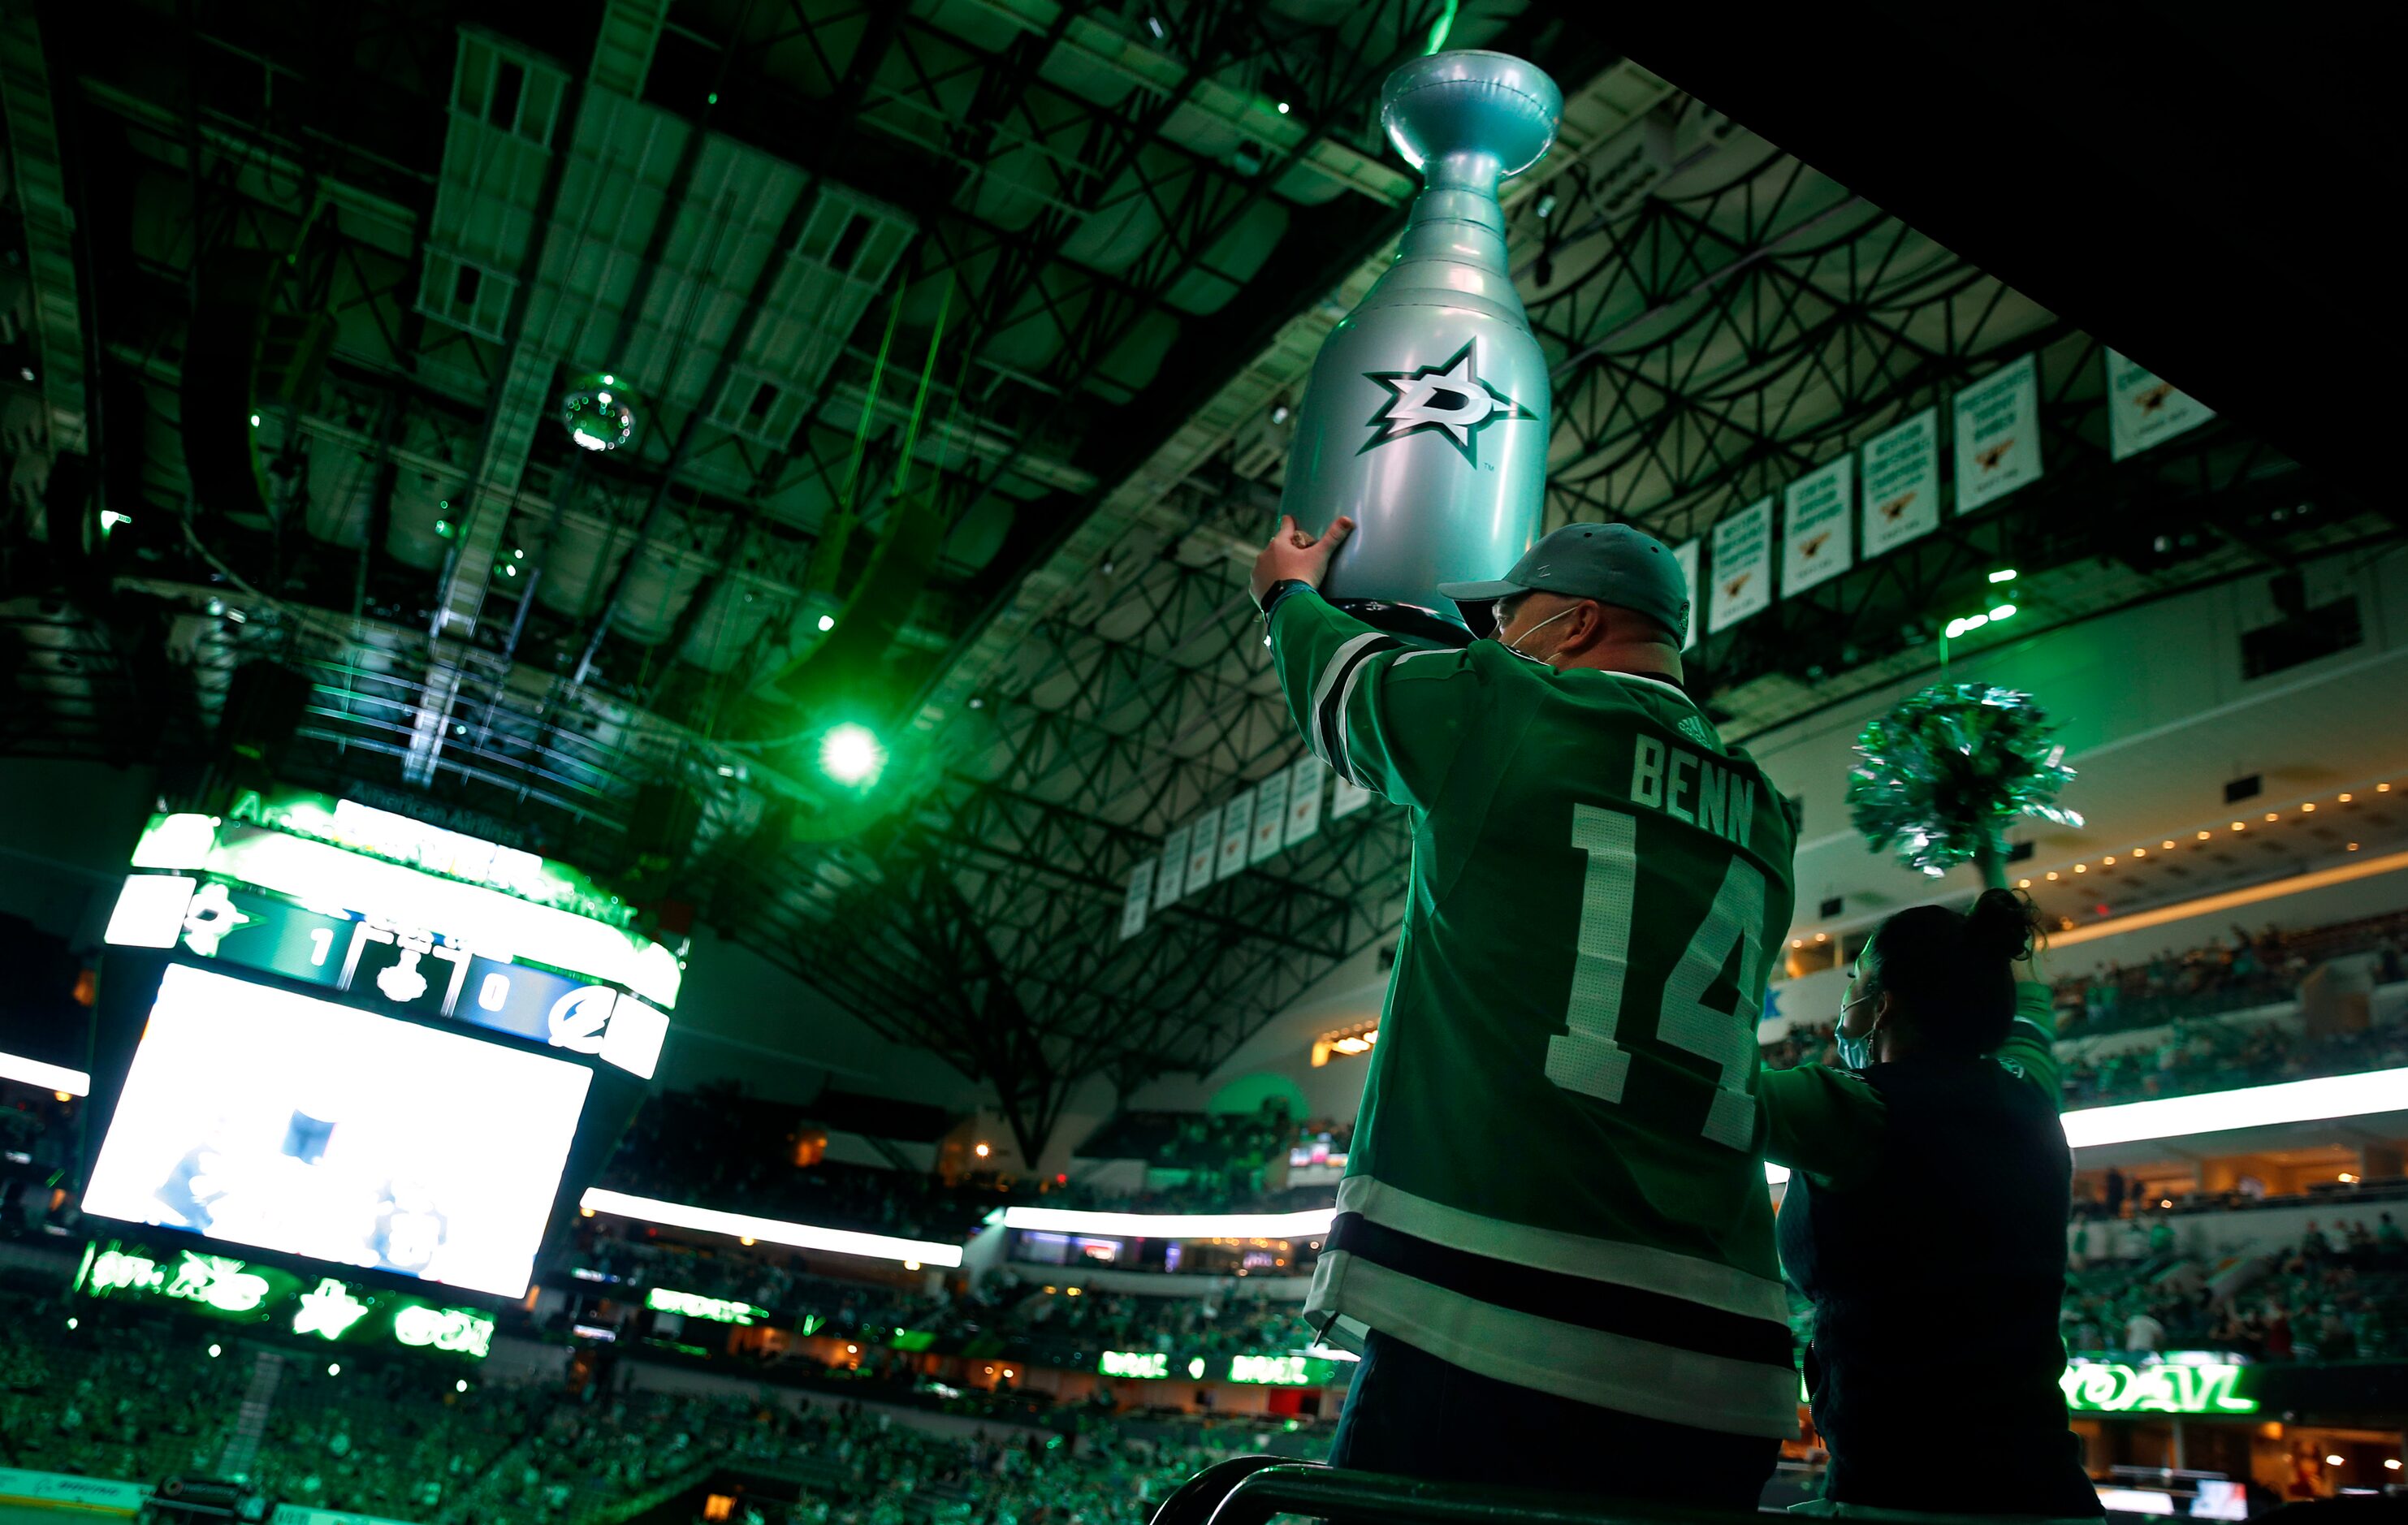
1427	416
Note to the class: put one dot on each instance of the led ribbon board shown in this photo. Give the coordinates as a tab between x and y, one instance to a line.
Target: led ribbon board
404	918
521	913
241	1291
693	1305
1291	1371
2107	1387
771	1230
1282	1371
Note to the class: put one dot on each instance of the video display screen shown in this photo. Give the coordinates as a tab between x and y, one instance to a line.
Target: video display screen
271	1119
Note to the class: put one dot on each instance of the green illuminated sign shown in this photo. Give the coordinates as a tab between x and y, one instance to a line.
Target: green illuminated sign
2105	1388
1148	1364
1280	1371
456	1330
454	855
718	1309
332	1309
343	864
1268	1371
328	1311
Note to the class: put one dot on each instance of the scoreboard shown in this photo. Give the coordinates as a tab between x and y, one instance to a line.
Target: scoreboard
344	1039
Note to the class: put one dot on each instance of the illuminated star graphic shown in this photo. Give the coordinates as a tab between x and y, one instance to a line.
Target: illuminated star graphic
329	1310
210	917
1448	399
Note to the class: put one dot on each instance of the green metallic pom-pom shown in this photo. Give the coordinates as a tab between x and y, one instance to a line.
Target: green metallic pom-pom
1940	778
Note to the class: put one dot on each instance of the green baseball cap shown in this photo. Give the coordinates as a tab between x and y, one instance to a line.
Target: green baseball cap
1614	564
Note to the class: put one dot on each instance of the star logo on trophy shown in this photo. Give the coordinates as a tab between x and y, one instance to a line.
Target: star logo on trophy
1448	399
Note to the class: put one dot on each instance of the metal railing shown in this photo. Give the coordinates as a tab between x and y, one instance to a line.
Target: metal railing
1251	1489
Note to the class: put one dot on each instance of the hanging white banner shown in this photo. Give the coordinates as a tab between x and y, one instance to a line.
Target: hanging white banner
1271	817
1903	483
1170	877
1346	798
1237	834
1686	554
1203	850
2144	410
1303	800
1815	513
1743	565
1139	897
1997	434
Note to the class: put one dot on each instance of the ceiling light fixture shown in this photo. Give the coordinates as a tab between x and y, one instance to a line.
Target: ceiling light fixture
599	414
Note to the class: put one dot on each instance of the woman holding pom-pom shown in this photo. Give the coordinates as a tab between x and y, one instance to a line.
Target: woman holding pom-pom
1925	1220
1929	1178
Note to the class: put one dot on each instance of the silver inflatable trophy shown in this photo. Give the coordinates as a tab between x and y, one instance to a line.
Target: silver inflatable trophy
1427	416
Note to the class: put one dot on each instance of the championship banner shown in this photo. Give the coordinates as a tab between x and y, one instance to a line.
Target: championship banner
1170	877
1816	545
1237	834
1997	434
1903	483
1686	554
1743	565
1203	850
1140	895
2143	410
1346	797
1303	800
1271	817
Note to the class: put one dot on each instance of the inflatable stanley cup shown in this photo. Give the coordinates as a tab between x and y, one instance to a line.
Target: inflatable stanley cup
1427	417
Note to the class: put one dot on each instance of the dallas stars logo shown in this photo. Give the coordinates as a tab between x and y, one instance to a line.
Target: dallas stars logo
1448	399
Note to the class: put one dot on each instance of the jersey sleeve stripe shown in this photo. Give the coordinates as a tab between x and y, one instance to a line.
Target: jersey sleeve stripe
1345	764
1328	734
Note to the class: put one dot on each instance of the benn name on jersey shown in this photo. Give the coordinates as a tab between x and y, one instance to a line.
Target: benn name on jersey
1686	786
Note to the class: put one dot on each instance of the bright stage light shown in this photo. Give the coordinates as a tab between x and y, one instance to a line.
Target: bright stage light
677	1214
2006	574
852	754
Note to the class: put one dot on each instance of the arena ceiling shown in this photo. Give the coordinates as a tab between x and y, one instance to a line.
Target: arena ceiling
964	336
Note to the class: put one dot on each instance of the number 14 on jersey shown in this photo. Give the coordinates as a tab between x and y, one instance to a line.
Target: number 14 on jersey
1588	1058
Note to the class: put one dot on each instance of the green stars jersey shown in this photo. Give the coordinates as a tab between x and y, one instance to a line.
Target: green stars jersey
1556	1178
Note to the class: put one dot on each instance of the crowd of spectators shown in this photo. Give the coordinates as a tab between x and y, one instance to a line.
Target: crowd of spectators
2196	1056
2339	1292
145	1399
107	1399
2249	968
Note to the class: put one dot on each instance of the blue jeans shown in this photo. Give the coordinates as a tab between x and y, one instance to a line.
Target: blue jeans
1412	1414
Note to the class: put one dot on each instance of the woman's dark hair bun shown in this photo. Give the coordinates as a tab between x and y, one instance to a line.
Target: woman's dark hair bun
2002	925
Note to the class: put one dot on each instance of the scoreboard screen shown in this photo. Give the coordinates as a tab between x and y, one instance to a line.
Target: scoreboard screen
273	1118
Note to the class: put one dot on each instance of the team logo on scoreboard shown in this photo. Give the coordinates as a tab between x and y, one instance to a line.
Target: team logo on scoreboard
1448	399
578	1018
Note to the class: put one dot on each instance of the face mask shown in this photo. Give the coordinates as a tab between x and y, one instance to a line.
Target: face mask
1855	1053
1515	645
